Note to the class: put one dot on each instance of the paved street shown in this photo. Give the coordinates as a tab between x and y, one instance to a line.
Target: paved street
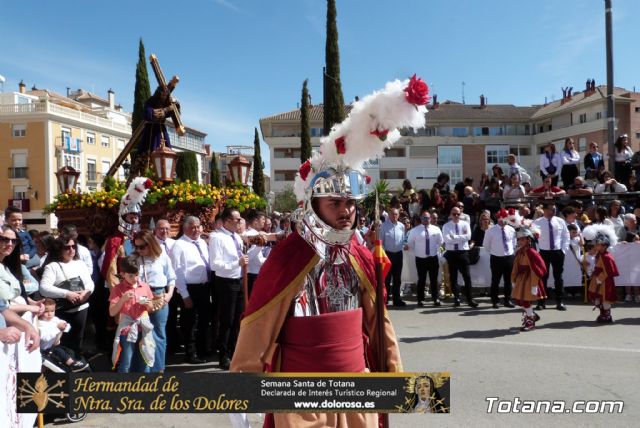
569	357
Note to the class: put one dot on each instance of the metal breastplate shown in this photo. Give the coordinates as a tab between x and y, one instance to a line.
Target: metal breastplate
331	286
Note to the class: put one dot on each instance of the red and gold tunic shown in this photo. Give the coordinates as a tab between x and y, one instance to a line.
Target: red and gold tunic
526	276
271	339
602	285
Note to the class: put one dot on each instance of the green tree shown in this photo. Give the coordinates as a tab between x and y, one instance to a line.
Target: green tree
333	98
187	166
143	90
214	171
285	200
369	202
258	166
305	135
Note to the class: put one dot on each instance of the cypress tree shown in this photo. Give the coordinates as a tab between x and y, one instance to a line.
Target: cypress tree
187	166
333	98
214	171
305	136
142	91
258	166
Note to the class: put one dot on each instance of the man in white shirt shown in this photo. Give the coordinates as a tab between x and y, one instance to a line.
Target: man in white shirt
425	241
500	243
554	243
162	232
256	253
227	260
456	235
392	236
190	257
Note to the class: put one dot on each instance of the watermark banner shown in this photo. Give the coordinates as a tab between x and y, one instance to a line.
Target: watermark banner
233	392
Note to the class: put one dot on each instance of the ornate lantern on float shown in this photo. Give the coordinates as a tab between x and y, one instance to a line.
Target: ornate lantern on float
164	162
239	169
67	179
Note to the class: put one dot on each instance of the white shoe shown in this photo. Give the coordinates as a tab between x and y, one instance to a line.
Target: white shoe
628	298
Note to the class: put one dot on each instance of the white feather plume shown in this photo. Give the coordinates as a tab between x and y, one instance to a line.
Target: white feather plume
136	194
591	232
385	110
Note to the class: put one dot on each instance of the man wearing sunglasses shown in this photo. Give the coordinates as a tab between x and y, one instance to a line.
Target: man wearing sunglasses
457	234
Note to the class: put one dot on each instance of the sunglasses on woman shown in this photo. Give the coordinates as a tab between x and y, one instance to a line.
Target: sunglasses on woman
140	247
69	247
4	240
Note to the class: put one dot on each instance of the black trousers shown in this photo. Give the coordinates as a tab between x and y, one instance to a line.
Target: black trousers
99	314
568	174
500	268
555	260
174	335
428	265
231	296
459	262
194	322
252	279
77	320
395	274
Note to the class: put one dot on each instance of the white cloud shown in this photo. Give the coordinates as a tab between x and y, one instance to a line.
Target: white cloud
228	5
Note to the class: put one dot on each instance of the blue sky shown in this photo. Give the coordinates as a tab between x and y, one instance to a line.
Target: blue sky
240	60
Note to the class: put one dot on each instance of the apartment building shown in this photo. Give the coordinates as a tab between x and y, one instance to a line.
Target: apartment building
467	139
42	131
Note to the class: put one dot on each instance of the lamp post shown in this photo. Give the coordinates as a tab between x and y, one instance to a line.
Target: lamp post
164	162
67	179
126	167
239	169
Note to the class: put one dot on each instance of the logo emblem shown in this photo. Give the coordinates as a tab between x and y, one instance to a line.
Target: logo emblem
42	394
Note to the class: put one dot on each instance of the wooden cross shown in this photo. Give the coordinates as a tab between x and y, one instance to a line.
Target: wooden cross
162	82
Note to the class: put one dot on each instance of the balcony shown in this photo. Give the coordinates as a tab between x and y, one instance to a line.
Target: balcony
20	172
22	204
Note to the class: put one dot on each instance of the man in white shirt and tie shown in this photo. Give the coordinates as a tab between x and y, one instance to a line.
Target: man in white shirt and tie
500	243
190	257
425	241
162	232
392	236
256	253
553	242
227	260
457	234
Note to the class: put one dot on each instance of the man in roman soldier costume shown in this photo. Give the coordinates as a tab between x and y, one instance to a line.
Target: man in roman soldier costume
120	244
313	305
526	276
602	287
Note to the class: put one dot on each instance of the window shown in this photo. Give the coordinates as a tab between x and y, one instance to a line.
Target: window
583	117
92	175
423	152
18	166
599	115
73	161
390	174
637	109
637	134
105	141
120	145
91	138
496	155
285	175
105	166
582	144
450	161
20	192
66	136
395	152
19	130
520	151
286	153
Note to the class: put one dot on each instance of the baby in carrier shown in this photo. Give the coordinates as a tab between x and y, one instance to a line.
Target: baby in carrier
51	329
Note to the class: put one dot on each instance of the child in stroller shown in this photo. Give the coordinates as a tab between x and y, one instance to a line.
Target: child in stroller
51	329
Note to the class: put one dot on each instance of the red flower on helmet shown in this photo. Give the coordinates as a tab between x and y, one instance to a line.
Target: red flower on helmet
417	92
502	213
340	146
304	170
382	135
367	179
512	211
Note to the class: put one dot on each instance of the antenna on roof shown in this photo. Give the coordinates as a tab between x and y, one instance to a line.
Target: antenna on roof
463	93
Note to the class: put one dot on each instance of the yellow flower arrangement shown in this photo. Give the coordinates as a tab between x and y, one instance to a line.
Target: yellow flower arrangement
171	195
